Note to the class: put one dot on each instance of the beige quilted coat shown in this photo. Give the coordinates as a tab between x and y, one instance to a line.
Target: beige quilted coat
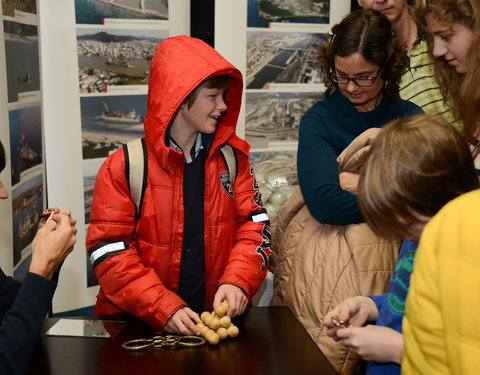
316	265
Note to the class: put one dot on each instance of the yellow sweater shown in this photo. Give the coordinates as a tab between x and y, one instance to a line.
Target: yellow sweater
442	322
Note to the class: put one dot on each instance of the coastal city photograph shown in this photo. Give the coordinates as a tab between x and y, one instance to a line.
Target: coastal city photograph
10	6
96	11
275	117
109	57
27	205
262	12
282	57
25	140
110	121
21	53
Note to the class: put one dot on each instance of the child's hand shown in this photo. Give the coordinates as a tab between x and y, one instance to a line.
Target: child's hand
373	343
237	301
354	311
183	322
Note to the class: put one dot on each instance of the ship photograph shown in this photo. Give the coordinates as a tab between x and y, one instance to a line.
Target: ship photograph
27	204
115	58
21	54
96	11
282	57
25	140
110	121
262	12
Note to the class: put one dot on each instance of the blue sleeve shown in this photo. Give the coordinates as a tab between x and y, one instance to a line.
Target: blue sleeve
318	174
21	325
378	300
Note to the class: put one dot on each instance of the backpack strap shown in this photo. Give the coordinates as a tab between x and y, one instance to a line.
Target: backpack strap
136	168
230	158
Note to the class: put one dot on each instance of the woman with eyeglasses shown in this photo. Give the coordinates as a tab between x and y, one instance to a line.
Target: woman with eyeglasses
318	265
362	64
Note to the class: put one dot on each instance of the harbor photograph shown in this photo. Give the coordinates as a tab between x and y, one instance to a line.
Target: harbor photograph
22	58
96	11
275	116
27	205
10	6
282	57
111	57
110	121
263	12
25	140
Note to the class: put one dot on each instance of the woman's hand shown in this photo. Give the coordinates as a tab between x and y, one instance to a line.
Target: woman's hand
349	181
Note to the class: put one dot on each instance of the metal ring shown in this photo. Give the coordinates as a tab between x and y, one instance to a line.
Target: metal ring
191	341
138	344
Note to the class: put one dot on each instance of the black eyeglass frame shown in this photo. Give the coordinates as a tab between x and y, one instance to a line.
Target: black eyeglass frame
355	80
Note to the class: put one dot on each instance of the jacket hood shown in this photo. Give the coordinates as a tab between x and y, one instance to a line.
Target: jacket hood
179	65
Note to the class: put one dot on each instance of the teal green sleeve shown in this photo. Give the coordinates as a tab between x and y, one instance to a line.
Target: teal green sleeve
318	174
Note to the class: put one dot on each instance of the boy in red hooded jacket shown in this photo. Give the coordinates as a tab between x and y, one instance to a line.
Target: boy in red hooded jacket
198	239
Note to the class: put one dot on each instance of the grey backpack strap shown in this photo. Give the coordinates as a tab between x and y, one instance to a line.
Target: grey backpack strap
230	158
136	170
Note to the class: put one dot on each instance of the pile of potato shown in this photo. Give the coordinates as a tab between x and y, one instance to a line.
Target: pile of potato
217	325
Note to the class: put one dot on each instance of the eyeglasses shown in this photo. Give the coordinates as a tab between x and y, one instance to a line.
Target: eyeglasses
359	81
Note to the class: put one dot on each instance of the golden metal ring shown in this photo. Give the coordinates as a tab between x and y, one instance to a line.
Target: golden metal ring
191	341
138	344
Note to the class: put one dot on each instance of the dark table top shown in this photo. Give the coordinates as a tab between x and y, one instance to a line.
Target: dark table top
271	341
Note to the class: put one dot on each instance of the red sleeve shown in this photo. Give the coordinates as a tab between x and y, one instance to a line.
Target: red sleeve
248	262
123	278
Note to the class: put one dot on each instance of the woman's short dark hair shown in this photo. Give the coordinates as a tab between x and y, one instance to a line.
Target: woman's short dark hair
2	157
369	33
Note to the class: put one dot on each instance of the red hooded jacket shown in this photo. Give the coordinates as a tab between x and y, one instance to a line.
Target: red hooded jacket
137	262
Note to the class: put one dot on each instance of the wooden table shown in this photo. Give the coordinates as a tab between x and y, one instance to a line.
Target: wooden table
271	341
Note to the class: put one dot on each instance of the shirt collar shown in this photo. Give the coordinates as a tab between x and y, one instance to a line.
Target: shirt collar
193	152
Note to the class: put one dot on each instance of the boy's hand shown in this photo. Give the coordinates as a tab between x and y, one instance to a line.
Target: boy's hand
354	311
373	343
183	322
237	300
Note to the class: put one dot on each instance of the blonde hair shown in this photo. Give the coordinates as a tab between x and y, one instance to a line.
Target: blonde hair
416	165
460	90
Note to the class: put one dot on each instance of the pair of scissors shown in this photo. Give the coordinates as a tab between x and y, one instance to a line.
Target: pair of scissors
168	341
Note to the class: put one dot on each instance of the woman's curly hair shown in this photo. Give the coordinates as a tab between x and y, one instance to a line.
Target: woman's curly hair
459	90
369	33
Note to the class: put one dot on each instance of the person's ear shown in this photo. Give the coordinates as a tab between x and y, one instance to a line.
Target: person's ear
360	3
